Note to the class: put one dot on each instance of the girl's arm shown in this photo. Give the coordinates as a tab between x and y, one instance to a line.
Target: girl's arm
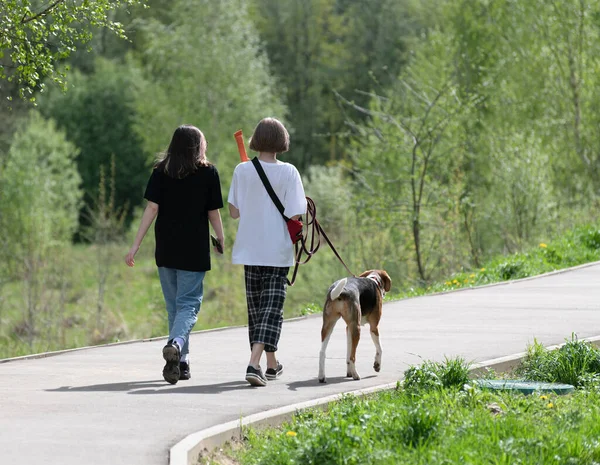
234	212
147	218
214	216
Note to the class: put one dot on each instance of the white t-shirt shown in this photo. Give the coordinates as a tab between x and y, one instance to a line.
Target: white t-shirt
262	237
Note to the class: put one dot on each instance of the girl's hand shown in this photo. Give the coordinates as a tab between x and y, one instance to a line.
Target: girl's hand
219	247
129	258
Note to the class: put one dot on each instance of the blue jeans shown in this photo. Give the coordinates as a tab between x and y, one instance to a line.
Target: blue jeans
183	292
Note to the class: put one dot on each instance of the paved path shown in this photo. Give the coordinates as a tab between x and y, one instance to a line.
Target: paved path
110	406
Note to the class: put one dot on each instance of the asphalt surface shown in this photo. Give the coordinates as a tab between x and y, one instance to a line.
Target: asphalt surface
110	406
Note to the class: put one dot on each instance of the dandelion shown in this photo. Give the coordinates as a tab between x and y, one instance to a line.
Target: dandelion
543	246
483	269
544	397
291	433
471	276
550	405
447	283
466	280
455	281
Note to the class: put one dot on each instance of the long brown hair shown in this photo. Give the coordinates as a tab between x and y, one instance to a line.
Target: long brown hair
186	152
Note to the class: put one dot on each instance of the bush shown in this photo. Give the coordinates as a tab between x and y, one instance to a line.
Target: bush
452	373
511	270
576	363
590	238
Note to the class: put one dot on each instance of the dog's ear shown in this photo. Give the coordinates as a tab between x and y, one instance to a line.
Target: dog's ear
364	274
387	281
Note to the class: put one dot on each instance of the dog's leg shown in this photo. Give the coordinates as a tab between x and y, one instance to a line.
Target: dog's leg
378	351
353	336
328	325
348	351
373	319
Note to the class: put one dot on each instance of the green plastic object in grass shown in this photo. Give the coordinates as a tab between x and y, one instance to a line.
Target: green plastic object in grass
525	387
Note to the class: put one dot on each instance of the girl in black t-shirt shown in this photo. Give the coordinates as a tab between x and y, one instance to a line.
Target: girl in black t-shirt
184	195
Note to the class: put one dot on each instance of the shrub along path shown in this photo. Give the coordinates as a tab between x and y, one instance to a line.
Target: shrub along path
110	406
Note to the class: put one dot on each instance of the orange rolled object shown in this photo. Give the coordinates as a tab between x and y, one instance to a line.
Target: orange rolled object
239	138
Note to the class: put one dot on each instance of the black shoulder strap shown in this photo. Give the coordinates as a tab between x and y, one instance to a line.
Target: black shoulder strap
267	184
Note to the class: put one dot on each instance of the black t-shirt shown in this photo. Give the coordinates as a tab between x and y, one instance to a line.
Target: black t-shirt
182	235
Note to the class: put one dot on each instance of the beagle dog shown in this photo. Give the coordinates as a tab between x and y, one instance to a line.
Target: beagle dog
358	301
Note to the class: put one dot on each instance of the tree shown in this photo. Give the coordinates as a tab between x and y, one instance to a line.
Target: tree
318	47
304	43
532	141
39	203
107	131
204	66
35	36
409	154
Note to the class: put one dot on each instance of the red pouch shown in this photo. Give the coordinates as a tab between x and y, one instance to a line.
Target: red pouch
295	230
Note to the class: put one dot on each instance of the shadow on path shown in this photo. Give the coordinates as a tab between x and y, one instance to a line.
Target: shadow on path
198	389
315	382
130	386
161	387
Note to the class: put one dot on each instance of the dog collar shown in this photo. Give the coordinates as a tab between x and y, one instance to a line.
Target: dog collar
375	277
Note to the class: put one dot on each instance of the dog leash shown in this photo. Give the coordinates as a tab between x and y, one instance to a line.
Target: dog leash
314	232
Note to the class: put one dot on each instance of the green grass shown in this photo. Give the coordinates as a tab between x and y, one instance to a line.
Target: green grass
435	417
442	427
576	247
67	315
435	375
576	363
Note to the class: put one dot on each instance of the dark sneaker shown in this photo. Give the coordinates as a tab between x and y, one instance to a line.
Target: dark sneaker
274	373
255	376
171	354
184	371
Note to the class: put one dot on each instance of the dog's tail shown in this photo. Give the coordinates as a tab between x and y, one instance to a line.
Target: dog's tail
339	287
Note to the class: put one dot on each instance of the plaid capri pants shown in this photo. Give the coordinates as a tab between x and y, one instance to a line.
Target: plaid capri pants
265	294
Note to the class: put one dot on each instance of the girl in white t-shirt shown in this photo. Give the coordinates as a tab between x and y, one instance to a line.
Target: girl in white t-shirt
263	243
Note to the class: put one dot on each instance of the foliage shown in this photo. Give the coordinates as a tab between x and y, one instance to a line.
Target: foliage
440	426
452	373
409	153
318	47
34	36
106	133
332	194
524	123
106	228
215	77
39	200
571	249
40	190
530	159
575	362
590	238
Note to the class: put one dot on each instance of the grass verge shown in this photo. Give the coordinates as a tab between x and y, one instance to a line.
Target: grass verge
576	247
434	416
